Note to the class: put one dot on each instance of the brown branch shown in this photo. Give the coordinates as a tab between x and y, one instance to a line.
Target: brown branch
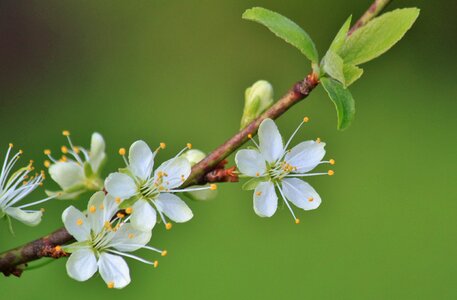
210	169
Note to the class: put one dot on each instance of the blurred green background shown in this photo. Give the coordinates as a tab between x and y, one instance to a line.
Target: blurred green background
175	71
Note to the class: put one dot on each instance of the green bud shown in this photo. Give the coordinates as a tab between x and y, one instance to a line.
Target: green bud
257	99
194	156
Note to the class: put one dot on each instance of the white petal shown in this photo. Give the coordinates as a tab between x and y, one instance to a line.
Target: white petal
114	270
82	264
141	159
67	174
29	218
300	193
128	239
270	141
175	170
95	211
173	207
305	156
144	216
97	151
76	224
265	199
120	185
250	162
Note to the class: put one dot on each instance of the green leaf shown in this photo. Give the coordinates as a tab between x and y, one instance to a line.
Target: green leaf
351	73
342	98
285	29
251	184
340	37
332	64
378	36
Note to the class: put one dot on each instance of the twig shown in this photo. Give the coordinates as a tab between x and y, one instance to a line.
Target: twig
210	169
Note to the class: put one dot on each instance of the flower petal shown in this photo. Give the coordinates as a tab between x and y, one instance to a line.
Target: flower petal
175	171
144	216
114	270
141	159
120	185
301	193
82	264
29	218
250	162
265	199
67	174
305	156
128	239
173	207
95	211
270	141
97	151
76	224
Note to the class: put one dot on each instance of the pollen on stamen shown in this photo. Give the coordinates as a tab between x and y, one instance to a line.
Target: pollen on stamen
168	226
66	133
156	264
79	222
64	149
331	172
110	285
92	208
21	152
162	145
76	150
250	136
128	210
117	200
10	145
258	193
318	140
297	221
120	215
189	145
122	151
47	152
310	199
164	253
306	119
63	158
213	187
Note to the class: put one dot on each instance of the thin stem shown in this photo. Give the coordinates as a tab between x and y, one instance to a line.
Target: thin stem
12	260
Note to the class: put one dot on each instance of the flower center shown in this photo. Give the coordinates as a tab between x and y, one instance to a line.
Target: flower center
278	170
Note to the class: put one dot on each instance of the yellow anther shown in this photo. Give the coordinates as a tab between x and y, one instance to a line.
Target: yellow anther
42	210
92	208
110	285
189	145
258	193
163	145
120	215
310	199
118	200
76	149
58	248
164	253
297	221
168	226
128	210
257	174
107	225
331	172
47	152
102	206
318	140
10	145
122	151
306	119
64	149
31	161
66	133
21	152
63	158
213	187
79	222
156	264
332	161
250	136
131	235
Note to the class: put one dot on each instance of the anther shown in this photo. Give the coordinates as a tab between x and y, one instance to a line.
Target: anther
47	152
128	210
297	221
79	222
131	235
213	187
92	208
47	163
120	215
257	174
332	161
64	149
156	264
306	119
10	145
318	140
162	145
118	200
110	285
122	151
66	133
310	199
168	226
189	145
250	136
164	253
331	172
58	248
258	193
42	210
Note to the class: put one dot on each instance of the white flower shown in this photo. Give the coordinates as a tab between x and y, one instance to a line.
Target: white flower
81	172
102	240
150	191
16	187
273	167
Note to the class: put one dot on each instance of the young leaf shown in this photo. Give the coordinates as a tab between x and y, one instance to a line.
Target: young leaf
378	36
342	98
351	73
340	37
332	64
285	29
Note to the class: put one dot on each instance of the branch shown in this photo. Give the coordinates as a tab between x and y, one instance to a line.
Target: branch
210	169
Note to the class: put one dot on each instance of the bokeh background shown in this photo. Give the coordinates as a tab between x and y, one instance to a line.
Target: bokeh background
175	71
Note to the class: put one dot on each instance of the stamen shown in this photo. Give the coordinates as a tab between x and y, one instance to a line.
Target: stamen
92	208
162	145
189	145
110	285
128	210
66	133
331	172
79	222
287	204
168	226
122	151
117	200
305	120
156	264
331	161
213	187
64	149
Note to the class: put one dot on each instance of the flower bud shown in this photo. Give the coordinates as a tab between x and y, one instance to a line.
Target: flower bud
194	156
257	99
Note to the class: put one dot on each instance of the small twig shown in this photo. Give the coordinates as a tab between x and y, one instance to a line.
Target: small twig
210	169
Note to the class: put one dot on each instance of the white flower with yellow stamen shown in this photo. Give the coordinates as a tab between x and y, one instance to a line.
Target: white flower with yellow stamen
80	172
103	238
148	192
273	167
16	187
